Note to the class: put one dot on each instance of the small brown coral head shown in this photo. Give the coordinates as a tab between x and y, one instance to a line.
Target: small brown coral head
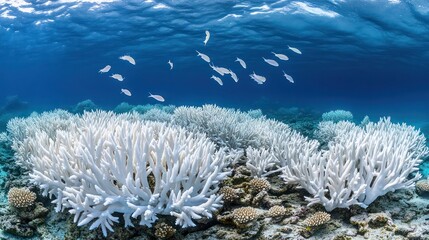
259	184
244	215
21	197
278	212
422	186
164	231
317	219
229	194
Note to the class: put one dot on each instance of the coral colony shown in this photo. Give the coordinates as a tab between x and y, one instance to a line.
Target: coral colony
100	166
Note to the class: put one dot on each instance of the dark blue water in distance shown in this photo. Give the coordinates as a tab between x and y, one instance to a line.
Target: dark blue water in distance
368	57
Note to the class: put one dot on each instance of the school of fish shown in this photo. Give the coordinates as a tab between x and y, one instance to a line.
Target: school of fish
222	71
259	79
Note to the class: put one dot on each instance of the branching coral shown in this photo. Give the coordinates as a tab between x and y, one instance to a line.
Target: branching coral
105	163
360	165
227	127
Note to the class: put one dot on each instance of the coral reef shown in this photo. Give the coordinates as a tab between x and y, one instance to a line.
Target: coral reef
302	120
13	107
255	113
360	165
230	128
261	162
123	156
157	115
337	116
125	107
86	105
13	104
327	131
108	168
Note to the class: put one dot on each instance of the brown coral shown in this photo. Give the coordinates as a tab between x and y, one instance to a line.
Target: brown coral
317	219
259	184
164	231
244	215
229	194
21	197
278	212
422	187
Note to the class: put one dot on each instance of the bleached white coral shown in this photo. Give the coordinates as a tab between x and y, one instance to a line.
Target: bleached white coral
360	165
337	115
157	115
261	162
270	144
328	130
228	127
20	129
108	164
255	113
365	120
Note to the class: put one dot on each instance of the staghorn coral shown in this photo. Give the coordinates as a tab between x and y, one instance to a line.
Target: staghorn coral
365	121
21	129
327	131
21	197
360	165
104	163
230	128
317	219
261	162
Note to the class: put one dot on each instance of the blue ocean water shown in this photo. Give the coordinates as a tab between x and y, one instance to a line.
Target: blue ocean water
368	57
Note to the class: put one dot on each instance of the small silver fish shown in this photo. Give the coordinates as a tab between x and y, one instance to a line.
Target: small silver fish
242	63
171	64
203	56
295	50
216	69
224	70
280	56
157	97
207	37
126	92
258	78
288	77
118	77
129	59
233	75
271	62
217	79
105	69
